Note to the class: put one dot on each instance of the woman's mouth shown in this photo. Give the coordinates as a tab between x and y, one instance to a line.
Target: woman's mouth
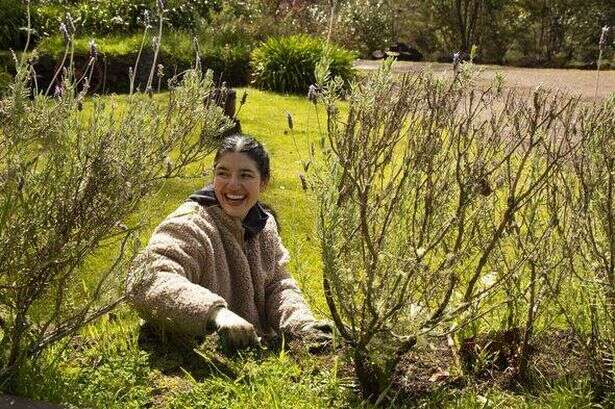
234	200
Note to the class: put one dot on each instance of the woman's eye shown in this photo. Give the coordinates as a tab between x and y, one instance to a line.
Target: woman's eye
247	175
222	174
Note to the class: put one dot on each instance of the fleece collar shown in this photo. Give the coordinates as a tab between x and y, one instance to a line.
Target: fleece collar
253	223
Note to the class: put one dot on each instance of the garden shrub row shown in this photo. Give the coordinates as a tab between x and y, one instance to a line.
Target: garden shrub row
13	17
120	16
117	54
284	64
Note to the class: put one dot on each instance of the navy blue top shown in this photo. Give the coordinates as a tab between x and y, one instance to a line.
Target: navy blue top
253	223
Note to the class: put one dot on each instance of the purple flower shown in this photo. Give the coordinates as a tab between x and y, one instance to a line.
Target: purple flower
71	23
64	32
58	91
456	59
93	49
603	37
312	93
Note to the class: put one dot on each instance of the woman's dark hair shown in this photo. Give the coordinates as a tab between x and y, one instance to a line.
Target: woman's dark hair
251	147
255	151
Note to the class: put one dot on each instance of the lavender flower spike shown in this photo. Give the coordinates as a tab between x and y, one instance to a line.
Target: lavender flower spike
289	119
71	23
456	58
93	49
64	32
146	19
161	4
603	37
312	93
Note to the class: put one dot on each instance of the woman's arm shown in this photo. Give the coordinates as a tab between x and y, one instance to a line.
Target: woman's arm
287	310
162	286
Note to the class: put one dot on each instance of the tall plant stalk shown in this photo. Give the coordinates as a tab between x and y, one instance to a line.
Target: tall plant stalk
601	46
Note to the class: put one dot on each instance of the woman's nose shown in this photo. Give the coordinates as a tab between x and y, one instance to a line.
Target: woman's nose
234	182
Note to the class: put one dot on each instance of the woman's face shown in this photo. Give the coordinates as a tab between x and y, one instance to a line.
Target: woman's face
237	183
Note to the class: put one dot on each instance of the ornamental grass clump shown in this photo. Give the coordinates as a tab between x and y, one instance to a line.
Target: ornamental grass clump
286	64
432	213
72	171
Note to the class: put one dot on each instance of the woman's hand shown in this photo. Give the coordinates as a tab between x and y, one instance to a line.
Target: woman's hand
235	332
317	335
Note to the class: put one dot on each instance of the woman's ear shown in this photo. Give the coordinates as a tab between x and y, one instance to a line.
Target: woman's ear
264	184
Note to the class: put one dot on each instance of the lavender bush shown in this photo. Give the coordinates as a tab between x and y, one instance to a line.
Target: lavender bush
440	204
72	171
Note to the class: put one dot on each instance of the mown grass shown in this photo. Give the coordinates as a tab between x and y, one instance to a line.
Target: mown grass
104	366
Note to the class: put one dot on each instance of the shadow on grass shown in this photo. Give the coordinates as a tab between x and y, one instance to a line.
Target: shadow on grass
175	355
204	357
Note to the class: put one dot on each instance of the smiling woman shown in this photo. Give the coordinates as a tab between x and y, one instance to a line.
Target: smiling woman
241	172
217	263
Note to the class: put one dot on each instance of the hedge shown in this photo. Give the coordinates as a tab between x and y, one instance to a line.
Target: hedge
117	54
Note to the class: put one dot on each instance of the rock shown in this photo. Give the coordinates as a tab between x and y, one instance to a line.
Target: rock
378	55
405	52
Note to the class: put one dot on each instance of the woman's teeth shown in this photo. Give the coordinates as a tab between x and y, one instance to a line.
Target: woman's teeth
235	197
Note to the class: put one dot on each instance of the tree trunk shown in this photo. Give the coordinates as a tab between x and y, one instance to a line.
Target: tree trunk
369	376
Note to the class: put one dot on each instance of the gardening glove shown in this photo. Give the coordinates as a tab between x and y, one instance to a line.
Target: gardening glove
234	331
317	335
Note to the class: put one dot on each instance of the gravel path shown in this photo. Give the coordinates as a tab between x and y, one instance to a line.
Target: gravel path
581	82
13	402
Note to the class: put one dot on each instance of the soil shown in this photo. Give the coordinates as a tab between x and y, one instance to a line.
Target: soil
490	360
429	366
14	402
581	82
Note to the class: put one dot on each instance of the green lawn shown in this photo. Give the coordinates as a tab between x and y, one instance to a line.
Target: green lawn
104	367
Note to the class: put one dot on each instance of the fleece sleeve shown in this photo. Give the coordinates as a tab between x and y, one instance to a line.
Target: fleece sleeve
161	286
287	310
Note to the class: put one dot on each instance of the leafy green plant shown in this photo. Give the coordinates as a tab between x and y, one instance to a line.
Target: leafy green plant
13	17
5	80
366	25
119	16
286	64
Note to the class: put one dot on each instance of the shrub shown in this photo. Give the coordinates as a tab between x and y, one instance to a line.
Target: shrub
120	16
71	173
433	214
5	80
118	53
286	64
365	26
13	18
586	233
230	64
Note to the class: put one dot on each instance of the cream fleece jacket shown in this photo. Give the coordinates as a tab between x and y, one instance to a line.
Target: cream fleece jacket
197	260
